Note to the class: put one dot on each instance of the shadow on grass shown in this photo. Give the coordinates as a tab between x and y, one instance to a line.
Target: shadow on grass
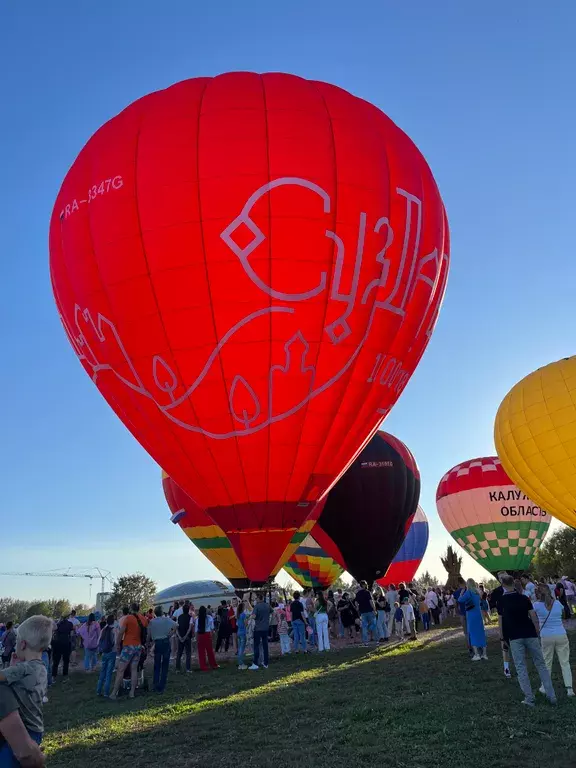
417	704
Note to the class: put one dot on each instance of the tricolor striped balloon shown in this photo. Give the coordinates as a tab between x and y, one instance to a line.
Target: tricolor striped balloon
489	516
410	554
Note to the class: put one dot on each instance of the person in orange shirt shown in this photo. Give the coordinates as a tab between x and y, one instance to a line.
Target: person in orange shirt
130	640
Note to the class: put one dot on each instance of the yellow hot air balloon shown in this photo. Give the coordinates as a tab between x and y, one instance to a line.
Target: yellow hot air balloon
535	435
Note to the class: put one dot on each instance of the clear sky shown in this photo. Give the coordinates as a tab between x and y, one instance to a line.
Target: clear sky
486	90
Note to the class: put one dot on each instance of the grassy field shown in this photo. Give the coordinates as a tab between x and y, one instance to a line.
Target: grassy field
416	705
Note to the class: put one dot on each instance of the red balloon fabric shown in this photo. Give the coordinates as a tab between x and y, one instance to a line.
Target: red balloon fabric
249	267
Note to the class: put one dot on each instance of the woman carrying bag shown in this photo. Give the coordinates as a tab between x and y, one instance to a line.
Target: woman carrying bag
553	635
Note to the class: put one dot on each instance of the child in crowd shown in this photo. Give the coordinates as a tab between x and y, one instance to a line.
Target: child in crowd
241	619
485	608
424	613
283	631
409	619
398	619
28	679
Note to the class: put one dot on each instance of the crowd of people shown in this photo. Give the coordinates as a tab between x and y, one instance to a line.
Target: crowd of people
34	654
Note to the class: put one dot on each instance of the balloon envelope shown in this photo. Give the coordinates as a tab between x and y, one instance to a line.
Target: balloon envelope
249	267
489	516
311	566
409	556
211	539
367	511
535	436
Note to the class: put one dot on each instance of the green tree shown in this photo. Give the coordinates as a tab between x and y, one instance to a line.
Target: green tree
341	583
557	556
59	608
13	610
36	609
426	580
132	588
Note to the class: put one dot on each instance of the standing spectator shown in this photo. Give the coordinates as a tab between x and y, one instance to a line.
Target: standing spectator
204	625
432	603
528	587
273	632
391	598
62	647
382	611
474	623
184	634
408	618
560	595
403	593
241	620
322	623
493	601
107	647
160	631
233	621
178	610
310	608
398	620
367	612
261	616
298	623
485	608
553	635
520	629
75	621
333	616
348	615
570	590
90	634
424	613
224	630
9	644
458	592
131	638
450	604
283	632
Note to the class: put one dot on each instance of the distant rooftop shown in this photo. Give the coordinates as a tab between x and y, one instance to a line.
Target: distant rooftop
193	589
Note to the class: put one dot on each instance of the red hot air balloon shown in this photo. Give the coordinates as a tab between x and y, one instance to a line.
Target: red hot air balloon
249	267
368	510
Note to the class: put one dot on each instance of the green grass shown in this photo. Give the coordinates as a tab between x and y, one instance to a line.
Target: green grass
418	705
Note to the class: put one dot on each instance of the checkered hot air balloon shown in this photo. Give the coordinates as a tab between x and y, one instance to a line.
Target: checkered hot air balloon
311	565
489	516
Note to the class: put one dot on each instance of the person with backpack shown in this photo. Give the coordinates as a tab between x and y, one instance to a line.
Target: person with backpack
107	647
298	623
62	647
132	637
553	637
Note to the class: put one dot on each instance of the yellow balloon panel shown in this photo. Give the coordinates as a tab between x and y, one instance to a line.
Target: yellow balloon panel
535	435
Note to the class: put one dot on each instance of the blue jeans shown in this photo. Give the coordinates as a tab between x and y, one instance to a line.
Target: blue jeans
106	672
161	663
382	625
368	625
7	759
241	649
90	658
518	649
425	620
313	638
261	636
299	630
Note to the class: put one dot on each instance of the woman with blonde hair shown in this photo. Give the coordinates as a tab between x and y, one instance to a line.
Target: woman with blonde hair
470	599
553	635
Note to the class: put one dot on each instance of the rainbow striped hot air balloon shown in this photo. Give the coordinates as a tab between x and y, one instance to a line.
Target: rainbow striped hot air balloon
312	566
489	516
211	539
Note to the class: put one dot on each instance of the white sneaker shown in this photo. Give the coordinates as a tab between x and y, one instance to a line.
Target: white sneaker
476	658
45	699
254	667
569	692
242	666
264	666
507	672
542	689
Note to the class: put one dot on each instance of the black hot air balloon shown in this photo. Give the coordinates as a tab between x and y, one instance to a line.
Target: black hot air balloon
367	510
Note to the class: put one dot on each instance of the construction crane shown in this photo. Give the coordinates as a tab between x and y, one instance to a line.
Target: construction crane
69	573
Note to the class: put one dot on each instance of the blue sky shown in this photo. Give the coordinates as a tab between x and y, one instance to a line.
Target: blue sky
484	89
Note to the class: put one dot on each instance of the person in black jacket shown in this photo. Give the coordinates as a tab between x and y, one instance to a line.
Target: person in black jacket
184	634
493	602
